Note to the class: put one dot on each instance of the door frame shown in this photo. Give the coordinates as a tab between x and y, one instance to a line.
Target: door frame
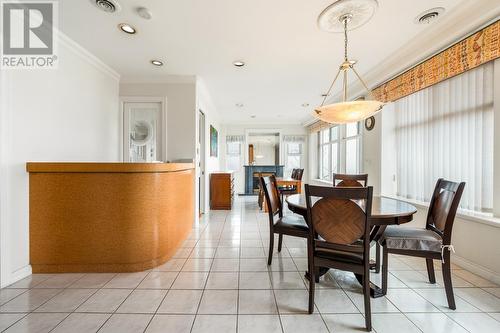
142	99
202	153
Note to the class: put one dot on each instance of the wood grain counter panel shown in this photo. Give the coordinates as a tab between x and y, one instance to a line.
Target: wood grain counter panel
108	221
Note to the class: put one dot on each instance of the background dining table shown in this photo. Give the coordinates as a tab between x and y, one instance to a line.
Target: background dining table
385	211
280	181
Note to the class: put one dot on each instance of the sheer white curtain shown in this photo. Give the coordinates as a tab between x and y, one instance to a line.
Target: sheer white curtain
294	152
447	131
234	145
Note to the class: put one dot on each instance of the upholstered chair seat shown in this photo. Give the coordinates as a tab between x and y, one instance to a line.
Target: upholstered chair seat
417	239
292	222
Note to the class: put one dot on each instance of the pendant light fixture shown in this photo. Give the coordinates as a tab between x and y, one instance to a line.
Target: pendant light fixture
345	15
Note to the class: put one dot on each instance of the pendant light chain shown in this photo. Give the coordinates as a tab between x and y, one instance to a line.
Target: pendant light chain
345	38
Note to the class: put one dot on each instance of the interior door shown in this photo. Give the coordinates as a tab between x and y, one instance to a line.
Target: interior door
143	132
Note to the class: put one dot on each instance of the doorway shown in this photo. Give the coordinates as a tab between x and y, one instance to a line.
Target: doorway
143	132
201	162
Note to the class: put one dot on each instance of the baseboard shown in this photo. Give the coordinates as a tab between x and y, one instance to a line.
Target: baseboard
472	267
17	275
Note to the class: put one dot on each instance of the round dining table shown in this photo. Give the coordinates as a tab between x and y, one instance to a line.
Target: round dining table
385	211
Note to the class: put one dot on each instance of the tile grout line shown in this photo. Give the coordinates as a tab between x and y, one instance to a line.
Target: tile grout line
114	312
275	299
206	281
33	310
86	299
163	298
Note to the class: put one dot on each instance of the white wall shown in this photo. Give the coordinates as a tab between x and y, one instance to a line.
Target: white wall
181	116
205	104
371	150
65	114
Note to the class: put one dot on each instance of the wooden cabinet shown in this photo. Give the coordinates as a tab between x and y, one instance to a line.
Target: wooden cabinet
221	190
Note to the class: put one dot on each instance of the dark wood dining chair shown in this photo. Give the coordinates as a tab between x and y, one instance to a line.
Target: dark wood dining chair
350	180
291	225
357	180
339	235
432	242
289	190
261	193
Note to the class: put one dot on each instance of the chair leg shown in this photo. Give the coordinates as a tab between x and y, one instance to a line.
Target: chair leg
430	270
385	265
316	274
366	294
280	242
448	285
271	248
377	258
312	285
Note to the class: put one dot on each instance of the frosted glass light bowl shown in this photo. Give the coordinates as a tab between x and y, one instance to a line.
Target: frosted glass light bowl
348	112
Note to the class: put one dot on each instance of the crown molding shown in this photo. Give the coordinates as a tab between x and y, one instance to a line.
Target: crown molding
84	54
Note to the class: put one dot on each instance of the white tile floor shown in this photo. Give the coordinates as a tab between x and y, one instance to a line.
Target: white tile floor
220	282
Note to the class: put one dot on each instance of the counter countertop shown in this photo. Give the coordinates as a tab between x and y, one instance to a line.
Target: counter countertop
97	167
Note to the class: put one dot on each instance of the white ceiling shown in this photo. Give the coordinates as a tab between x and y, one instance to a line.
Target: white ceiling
289	60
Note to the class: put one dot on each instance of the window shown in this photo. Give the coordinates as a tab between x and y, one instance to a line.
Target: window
446	131
294	152
339	150
352	155
233	152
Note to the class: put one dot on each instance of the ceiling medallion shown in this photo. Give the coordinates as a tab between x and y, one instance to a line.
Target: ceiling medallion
348	14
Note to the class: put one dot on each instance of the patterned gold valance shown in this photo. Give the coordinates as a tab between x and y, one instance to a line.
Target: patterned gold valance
473	51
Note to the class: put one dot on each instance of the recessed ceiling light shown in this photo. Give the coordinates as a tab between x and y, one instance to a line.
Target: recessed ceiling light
305	105
127	28
239	63
239	105
157	62
429	15
253	116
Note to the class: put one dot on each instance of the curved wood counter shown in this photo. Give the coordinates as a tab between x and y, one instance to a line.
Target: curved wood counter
108	217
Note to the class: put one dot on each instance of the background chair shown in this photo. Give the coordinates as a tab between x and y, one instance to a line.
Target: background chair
261	192
288	190
431	243
361	180
339	235
292	225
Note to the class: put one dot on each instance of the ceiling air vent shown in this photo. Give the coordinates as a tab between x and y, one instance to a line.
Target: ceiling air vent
108	6
429	16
